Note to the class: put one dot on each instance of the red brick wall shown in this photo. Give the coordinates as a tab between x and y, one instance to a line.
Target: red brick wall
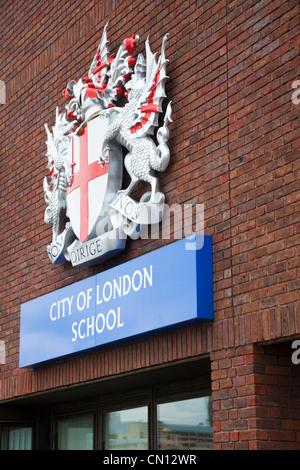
256	398
234	147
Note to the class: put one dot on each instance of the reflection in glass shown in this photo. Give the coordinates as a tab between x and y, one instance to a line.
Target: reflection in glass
185	424
16	438
75	433
127	429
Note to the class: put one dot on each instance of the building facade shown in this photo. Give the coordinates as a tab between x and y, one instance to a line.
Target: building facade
231	382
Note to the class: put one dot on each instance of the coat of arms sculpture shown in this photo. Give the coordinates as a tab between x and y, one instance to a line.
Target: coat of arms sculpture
114	109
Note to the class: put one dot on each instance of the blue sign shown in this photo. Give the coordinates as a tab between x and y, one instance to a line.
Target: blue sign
170	286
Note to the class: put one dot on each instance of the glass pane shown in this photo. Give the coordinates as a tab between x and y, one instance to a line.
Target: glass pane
185	424
76	433
127	429
16	438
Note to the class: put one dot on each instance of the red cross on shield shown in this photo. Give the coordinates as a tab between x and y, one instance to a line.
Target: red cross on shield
86	194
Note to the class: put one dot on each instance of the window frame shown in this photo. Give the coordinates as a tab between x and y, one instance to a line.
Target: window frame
19	424
108	410
150	396
75	413
112	403
178	399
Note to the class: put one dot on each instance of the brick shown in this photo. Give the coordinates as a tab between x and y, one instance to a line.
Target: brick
278	370
234	436
281	436
292	424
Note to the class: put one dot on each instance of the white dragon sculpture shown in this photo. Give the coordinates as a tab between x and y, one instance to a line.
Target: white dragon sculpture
136	120
60	173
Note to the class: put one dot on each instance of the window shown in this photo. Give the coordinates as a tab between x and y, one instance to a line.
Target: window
127	429
75	433
185	424
167	409
16	438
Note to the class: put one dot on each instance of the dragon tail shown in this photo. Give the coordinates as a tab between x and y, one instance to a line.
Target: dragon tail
162	157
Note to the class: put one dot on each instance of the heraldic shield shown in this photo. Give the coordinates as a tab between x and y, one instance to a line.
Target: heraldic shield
94	182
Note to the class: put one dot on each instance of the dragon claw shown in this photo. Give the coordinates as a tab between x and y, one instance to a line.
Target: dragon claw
103	160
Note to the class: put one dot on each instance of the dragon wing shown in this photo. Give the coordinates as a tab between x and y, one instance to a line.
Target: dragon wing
152	82
51	151
100	64
97	74
121	65
108	73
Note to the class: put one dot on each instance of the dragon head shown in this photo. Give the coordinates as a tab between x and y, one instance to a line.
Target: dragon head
58	146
